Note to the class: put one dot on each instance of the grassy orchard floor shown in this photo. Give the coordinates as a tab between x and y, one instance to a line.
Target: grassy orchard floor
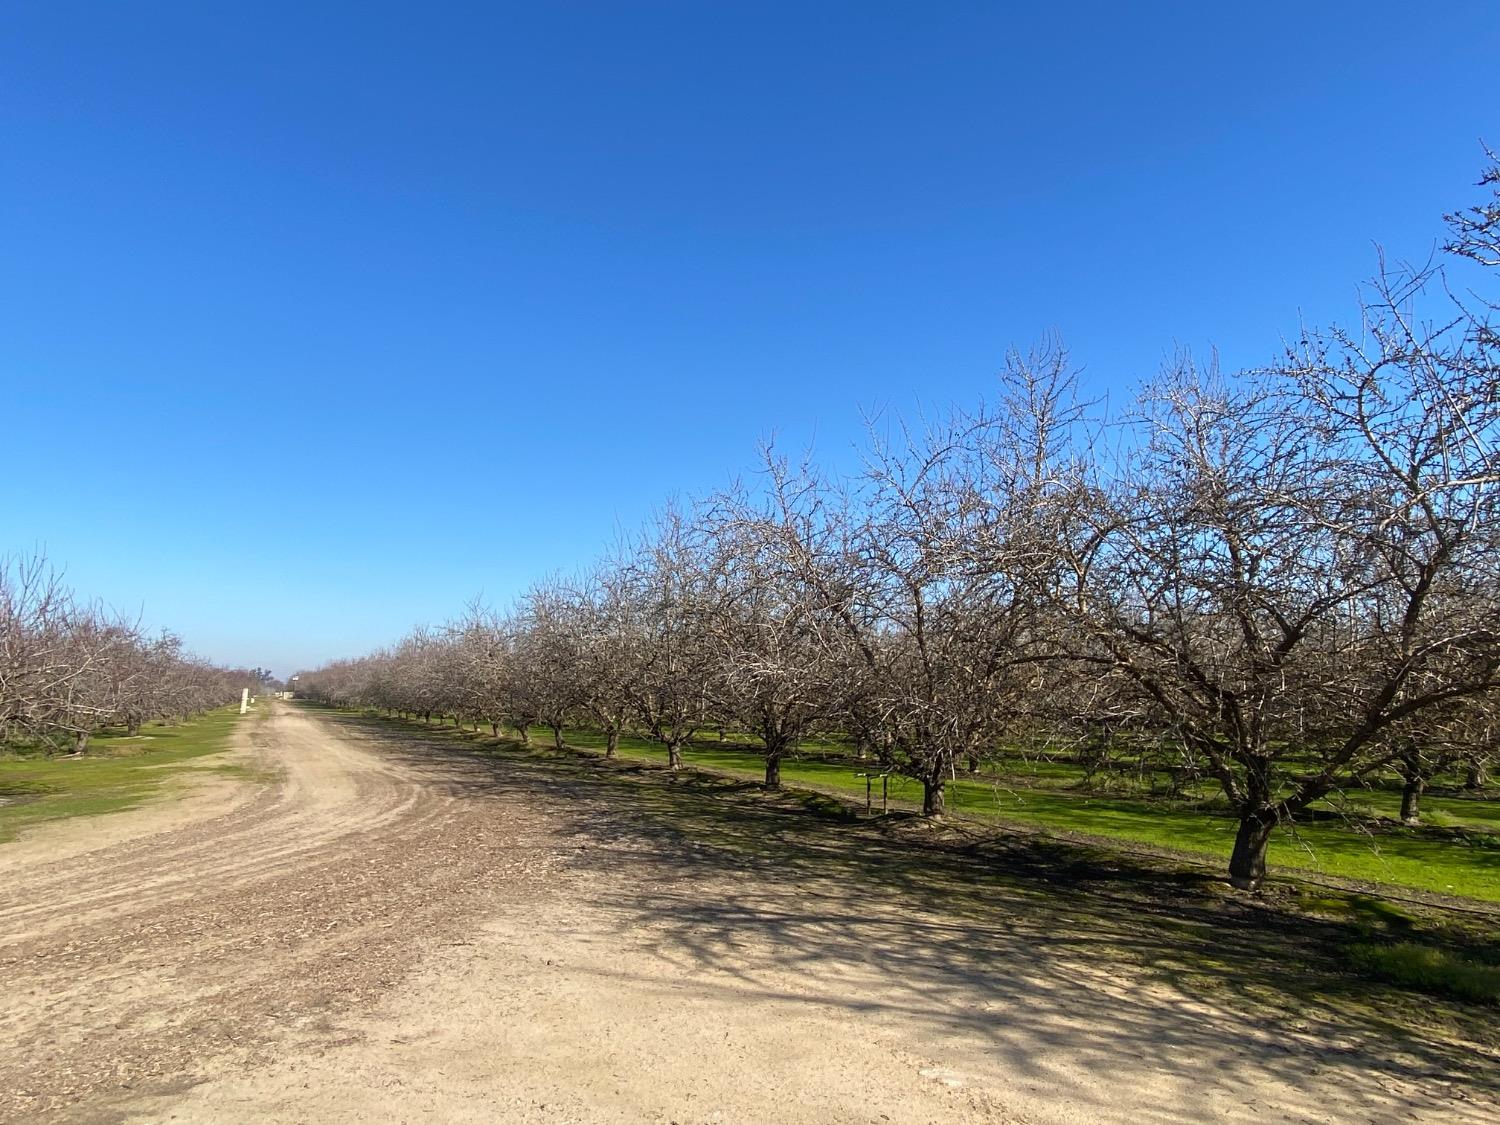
1462	861
1468	866
1437	812
118	772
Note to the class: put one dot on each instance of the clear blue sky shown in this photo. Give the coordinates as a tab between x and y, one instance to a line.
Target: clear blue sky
318	319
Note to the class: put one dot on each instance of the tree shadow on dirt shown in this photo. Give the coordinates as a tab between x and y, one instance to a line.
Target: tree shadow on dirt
1021	948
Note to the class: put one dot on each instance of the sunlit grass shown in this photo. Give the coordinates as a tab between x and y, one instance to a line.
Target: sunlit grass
1463	866
118	772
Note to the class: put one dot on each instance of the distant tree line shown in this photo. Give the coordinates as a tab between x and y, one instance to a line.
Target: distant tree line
1286	580
70	667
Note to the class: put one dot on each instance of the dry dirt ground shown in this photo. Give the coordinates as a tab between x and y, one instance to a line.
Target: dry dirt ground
387	932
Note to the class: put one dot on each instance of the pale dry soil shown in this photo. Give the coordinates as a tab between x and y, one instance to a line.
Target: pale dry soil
387	932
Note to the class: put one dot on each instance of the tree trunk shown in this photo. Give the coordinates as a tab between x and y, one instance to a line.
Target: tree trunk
934	802
557	737
495	729
674	755
1411	800
523	731
80	742
611	742
773	768
1410	768
1477	778
133	726
1247	863
973	763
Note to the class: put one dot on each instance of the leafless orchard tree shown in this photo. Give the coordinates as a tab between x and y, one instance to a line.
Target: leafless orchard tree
36	614
426	674
478	652
946	613
149	681
70	668
103	654
1438	739
1208	583
774	667
550	650
668	661
600	617
1298	562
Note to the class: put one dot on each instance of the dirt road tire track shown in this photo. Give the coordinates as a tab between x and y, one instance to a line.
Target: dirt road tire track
127	967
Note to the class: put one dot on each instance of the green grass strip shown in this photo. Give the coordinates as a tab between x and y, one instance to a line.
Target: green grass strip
1465	866
118	772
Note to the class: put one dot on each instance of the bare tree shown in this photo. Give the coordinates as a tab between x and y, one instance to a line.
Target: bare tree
947	610
479	655
548	648
1298	561
70	668
600	617
668	662
1474	233
1436	740
766	616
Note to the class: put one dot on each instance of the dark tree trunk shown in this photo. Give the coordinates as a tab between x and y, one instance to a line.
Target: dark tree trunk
934	802
1411	799
427	716
1476	778
132	726
1410	767
495	729
557	736
523	731
611	743
80	742
973	763
674	755
773	768
1247	863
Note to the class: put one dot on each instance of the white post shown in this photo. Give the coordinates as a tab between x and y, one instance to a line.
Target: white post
244	700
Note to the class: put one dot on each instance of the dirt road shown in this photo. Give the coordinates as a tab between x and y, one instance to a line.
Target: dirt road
373	930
